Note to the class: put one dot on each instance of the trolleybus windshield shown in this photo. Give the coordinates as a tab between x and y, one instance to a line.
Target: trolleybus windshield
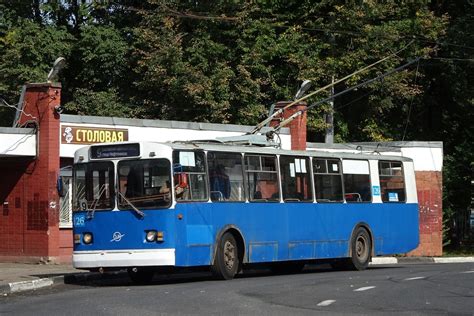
94	186
144	183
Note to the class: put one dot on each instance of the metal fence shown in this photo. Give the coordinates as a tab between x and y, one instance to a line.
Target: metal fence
65	202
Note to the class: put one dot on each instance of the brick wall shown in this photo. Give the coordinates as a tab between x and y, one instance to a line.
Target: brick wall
429	186
65	245
297	126
12	214
30	224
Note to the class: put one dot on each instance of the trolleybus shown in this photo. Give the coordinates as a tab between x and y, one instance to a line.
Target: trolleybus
145	206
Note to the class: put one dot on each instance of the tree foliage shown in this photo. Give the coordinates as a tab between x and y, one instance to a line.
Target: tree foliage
228	61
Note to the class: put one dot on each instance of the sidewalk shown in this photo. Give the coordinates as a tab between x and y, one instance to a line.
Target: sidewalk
19	277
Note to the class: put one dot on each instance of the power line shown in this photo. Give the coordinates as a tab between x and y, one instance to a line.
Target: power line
200	17
454	59
322	30
6	105
259	126
352	101
359	34
207	16
296	114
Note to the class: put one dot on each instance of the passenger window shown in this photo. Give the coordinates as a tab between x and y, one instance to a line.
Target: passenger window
262	178
356	181
226	180
189	174
295	179
392	183
327	180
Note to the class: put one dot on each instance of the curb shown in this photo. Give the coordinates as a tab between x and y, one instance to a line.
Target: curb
456	259
419	260
22	286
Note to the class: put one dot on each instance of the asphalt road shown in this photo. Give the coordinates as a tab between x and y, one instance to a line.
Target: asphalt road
415	289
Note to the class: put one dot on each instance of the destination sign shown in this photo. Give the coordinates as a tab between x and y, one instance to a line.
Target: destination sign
115	151
92	135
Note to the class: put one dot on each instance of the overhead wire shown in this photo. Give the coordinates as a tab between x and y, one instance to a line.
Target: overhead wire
453	59
193	15
355	33
5	104
352	101
224	18
298	113
425	61
264	122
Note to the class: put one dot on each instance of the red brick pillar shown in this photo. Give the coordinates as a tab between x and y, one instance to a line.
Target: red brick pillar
430	199
40	195
297	126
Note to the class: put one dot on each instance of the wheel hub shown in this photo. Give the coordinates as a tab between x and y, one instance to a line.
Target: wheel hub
361	247
229	255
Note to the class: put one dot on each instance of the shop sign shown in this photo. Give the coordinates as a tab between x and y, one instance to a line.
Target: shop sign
91	135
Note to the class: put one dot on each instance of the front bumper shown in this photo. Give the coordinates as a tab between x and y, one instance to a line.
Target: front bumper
123	258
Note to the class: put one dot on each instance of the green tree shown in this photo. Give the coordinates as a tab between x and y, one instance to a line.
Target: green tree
261	50
99	103
99	67
448	112
228	61
27	53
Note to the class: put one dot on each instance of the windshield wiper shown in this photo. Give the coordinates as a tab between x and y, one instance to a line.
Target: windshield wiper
131	204
90	213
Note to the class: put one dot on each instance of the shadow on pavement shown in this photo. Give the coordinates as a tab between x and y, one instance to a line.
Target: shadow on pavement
191	275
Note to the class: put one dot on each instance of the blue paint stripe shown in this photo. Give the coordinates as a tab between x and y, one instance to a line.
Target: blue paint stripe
289	230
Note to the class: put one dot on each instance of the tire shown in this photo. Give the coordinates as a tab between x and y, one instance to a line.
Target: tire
361	249
141	275
227	262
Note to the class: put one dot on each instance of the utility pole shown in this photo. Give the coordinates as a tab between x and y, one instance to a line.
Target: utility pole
329	139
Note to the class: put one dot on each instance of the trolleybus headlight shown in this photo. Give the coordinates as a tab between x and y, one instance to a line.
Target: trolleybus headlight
87	238
160	236
151	235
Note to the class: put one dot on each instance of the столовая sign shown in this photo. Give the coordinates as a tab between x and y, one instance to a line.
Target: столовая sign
92	135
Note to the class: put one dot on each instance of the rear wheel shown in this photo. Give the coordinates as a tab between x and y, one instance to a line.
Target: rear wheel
361	247
227	262
141	275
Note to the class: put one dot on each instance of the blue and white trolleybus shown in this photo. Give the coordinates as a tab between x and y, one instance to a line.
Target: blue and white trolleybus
145	206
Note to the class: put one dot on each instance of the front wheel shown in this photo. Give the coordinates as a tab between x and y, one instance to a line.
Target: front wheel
227	262
361	247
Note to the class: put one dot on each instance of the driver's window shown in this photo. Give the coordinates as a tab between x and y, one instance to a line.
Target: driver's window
189	175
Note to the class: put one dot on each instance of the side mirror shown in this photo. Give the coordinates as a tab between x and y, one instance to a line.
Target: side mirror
60	187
